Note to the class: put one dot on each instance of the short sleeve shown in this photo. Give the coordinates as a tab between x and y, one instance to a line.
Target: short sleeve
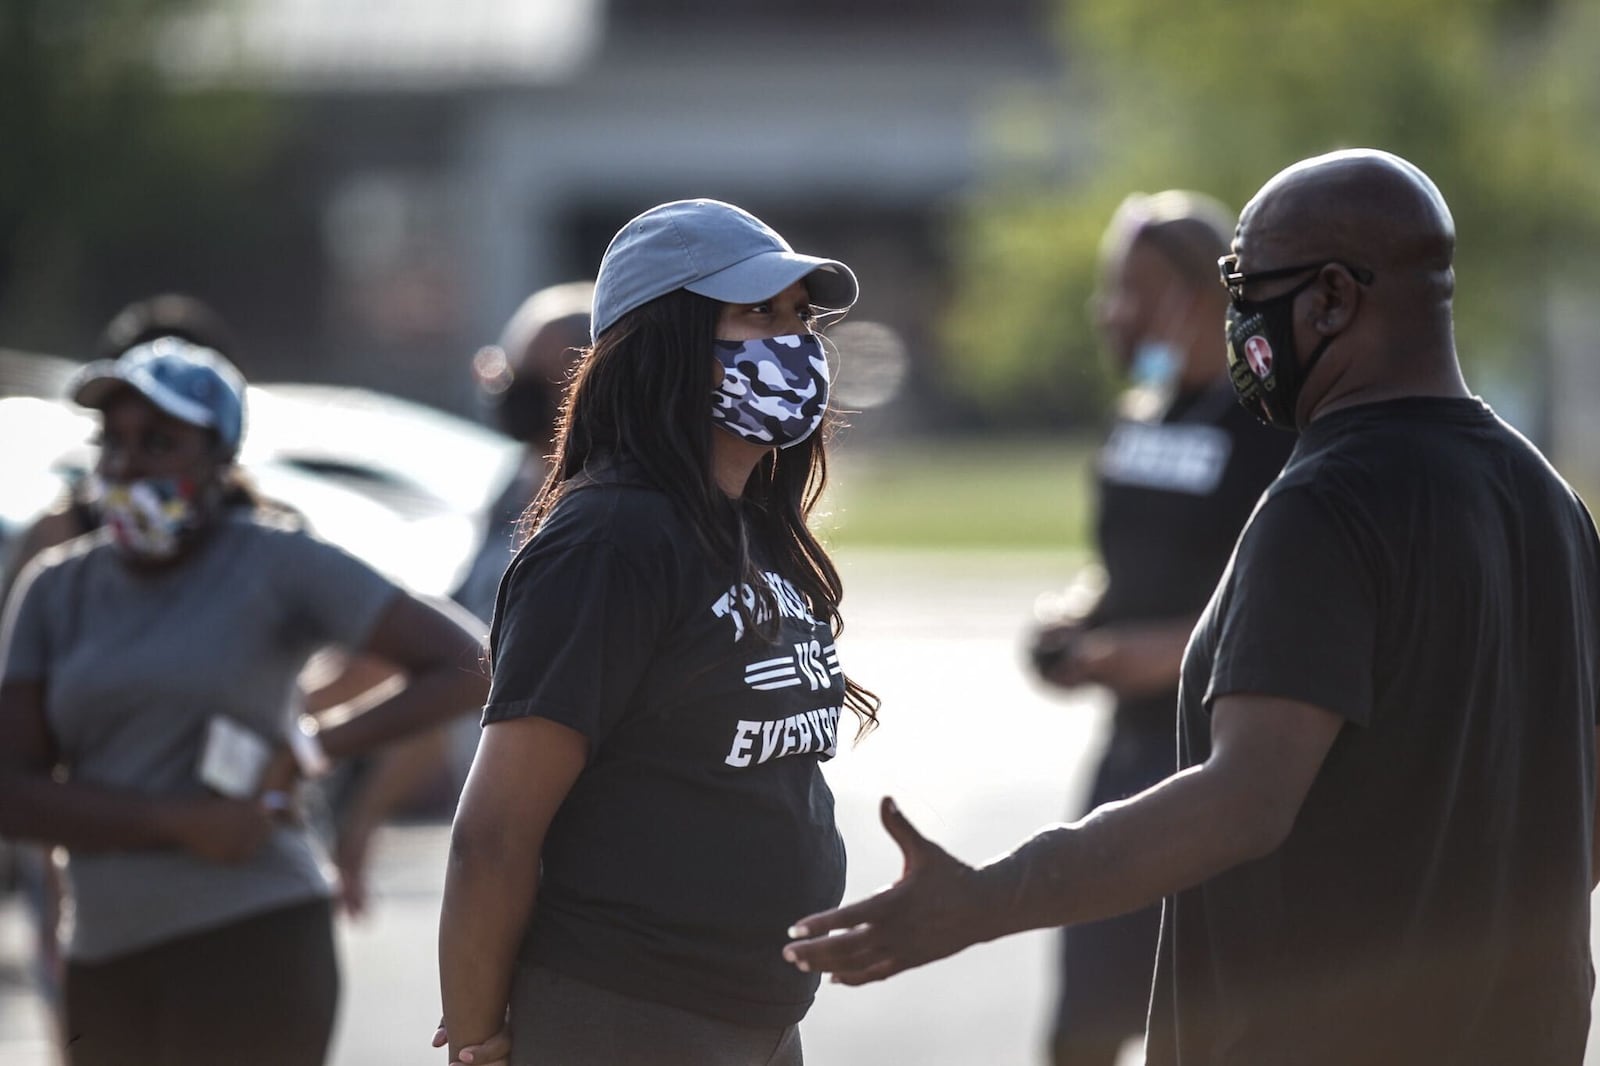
575	630
24	642
1298	619
336	597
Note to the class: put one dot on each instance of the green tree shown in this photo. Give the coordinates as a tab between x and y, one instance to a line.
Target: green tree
100	149
1498	100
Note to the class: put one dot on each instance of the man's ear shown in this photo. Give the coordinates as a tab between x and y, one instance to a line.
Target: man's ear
1335	300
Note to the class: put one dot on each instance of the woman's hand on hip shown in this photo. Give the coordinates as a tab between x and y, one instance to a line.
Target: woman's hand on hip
495	1051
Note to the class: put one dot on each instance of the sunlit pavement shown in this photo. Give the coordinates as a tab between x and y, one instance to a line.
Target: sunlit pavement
975	754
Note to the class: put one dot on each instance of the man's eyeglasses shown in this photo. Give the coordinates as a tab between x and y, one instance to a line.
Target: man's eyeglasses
1228	267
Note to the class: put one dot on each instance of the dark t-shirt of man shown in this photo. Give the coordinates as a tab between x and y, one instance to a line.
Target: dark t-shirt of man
1174	491
1420	570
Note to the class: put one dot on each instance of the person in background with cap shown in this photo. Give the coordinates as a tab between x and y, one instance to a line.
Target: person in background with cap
74	513
646	813
148	711
364	805
1176	480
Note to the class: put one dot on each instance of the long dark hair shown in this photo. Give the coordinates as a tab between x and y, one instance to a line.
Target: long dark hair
642	395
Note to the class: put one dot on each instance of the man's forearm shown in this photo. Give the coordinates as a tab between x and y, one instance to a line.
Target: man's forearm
1239	805
1125	855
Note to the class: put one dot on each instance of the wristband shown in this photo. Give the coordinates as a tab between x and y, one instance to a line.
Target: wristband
307	749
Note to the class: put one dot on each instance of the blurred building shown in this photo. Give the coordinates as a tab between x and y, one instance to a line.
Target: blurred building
442	160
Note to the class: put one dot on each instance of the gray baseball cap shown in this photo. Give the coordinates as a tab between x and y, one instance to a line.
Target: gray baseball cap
712	249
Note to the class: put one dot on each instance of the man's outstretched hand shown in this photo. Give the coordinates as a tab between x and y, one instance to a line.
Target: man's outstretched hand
939	906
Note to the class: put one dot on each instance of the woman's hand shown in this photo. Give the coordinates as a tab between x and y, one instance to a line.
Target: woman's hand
495	1051
282	773
1054	654
1131	659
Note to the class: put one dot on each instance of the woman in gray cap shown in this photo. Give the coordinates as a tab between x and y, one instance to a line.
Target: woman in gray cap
646	814
149	724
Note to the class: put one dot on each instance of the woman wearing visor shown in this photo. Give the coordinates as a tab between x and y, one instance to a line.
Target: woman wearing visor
148	724
646	814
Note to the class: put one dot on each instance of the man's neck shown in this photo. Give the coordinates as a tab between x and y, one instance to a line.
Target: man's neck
1437	375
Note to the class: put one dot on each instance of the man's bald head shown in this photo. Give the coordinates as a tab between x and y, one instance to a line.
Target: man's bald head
1366	207
523	378
543	336
1371	241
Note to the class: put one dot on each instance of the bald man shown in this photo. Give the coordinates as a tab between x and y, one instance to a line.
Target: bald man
1378	847
522	381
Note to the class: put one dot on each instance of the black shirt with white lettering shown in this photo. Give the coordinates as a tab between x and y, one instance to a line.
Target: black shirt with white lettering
1174	491
701	827
1420	571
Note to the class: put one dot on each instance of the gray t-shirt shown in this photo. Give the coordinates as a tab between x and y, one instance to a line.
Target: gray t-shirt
135	666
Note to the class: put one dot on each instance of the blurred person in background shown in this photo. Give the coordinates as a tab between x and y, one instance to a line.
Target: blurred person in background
521	382
74	514
1379	844
646	812
365	790
353	804
149	725
1177	478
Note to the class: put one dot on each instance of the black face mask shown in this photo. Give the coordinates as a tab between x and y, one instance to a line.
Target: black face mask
1262	362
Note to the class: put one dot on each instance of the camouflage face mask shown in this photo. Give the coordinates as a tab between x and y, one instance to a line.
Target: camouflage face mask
773	390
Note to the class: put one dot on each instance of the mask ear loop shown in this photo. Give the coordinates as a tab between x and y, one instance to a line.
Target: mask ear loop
833	416
830	352
1303	372
1362	276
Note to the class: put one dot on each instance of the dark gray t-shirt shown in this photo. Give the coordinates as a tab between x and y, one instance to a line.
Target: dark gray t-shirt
701	826
1422	572
135	666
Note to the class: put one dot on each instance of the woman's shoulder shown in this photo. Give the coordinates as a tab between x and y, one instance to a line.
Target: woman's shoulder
267	528
622	525
617	509
46	577
279	541
63	556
